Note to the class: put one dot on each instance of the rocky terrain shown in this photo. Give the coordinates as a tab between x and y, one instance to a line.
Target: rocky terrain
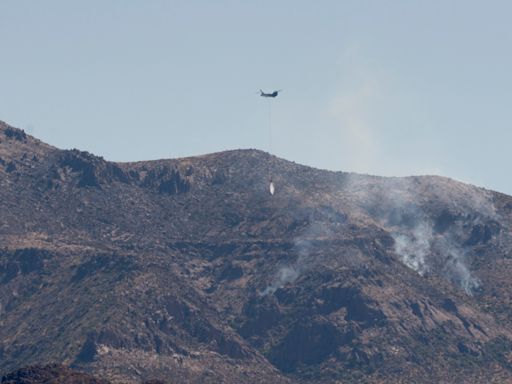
189	271
49	374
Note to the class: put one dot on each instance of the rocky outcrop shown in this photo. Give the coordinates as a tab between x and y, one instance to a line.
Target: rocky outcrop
55	374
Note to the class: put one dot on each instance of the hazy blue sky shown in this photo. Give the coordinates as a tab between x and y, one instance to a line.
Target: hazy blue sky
380	87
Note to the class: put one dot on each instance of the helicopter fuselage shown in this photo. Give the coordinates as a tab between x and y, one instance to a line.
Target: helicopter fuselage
273	94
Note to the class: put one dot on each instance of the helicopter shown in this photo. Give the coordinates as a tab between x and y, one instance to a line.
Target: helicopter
273	94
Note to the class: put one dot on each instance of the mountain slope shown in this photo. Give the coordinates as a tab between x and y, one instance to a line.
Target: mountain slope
188	270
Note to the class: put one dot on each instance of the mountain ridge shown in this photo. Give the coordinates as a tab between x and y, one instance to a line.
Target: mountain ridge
188	269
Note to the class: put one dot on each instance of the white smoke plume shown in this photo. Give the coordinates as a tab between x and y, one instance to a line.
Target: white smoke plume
424	250
456	270
306	258
285	275
410	209
414	248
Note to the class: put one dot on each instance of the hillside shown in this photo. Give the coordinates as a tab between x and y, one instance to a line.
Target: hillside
187	270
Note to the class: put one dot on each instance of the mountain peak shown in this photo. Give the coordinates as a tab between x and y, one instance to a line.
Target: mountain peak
188	269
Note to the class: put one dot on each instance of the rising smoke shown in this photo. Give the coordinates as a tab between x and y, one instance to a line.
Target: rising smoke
414	247
302	247
410	209
306	249
426	250
410	215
